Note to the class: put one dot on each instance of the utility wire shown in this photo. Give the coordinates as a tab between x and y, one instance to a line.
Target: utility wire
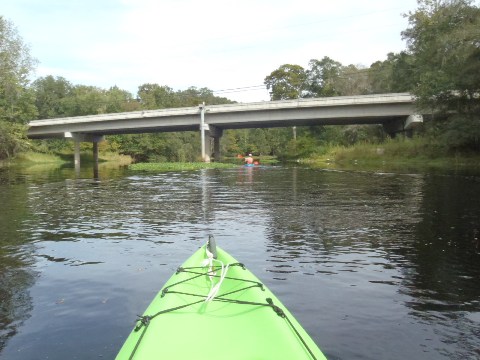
242	89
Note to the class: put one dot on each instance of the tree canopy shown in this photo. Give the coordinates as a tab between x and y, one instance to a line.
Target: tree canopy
443	40
286	82
16	99
16	64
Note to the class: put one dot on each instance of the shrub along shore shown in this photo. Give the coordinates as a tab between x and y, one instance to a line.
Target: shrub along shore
179	166
395	154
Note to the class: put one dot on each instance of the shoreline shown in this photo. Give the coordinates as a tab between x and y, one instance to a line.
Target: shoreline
367	157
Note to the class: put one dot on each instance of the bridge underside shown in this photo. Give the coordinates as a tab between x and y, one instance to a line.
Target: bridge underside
391	124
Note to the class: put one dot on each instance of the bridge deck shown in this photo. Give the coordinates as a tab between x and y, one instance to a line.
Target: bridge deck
363	109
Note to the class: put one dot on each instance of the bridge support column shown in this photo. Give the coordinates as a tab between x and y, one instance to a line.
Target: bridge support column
216	133
213	132
78	138
207	148
404	126
205	145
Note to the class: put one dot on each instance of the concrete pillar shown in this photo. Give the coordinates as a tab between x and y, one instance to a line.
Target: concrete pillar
207	149
403	125
216	133
205	145
77	138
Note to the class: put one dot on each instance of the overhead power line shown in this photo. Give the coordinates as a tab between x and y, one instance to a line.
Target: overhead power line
241	89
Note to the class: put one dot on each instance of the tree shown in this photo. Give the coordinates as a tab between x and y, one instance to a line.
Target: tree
16	100
119	100
322	77
278	139
85	100
50	95
194	96
286	82
12	139
154	96
229	144
395	74
258	142
353	80
444	39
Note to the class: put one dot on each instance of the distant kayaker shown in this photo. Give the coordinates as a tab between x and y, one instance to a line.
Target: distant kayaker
249	159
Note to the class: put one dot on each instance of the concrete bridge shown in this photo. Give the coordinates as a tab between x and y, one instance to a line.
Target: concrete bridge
396	112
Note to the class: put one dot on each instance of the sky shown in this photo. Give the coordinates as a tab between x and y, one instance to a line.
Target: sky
228	46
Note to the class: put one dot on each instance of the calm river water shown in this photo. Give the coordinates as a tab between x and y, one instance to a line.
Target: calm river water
374	265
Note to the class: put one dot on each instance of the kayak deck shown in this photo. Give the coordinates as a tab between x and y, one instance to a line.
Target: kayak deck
244	320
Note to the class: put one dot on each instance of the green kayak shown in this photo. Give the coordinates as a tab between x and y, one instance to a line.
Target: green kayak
214	308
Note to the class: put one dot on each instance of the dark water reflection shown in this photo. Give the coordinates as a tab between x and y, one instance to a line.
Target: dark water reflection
374	265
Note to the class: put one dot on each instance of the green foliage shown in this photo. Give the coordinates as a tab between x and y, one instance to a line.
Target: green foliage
355	134
85	100
396	74
257	141
353	81
194	96
462	132
154	96
179	166
12	139
287	82
159	147
301	148
118	100
39	158
277	139
52	146
323	77
50	95
229	144
15	66
398	150
443	38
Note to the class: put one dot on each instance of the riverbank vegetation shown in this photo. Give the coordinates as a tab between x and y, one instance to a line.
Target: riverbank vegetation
440	66
394	153
40	158
179	166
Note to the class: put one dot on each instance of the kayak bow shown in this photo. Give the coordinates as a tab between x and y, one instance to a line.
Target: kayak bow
214	308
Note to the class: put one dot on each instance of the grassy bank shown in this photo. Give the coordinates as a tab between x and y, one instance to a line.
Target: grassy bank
394	153
167	166
85	157
39	158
